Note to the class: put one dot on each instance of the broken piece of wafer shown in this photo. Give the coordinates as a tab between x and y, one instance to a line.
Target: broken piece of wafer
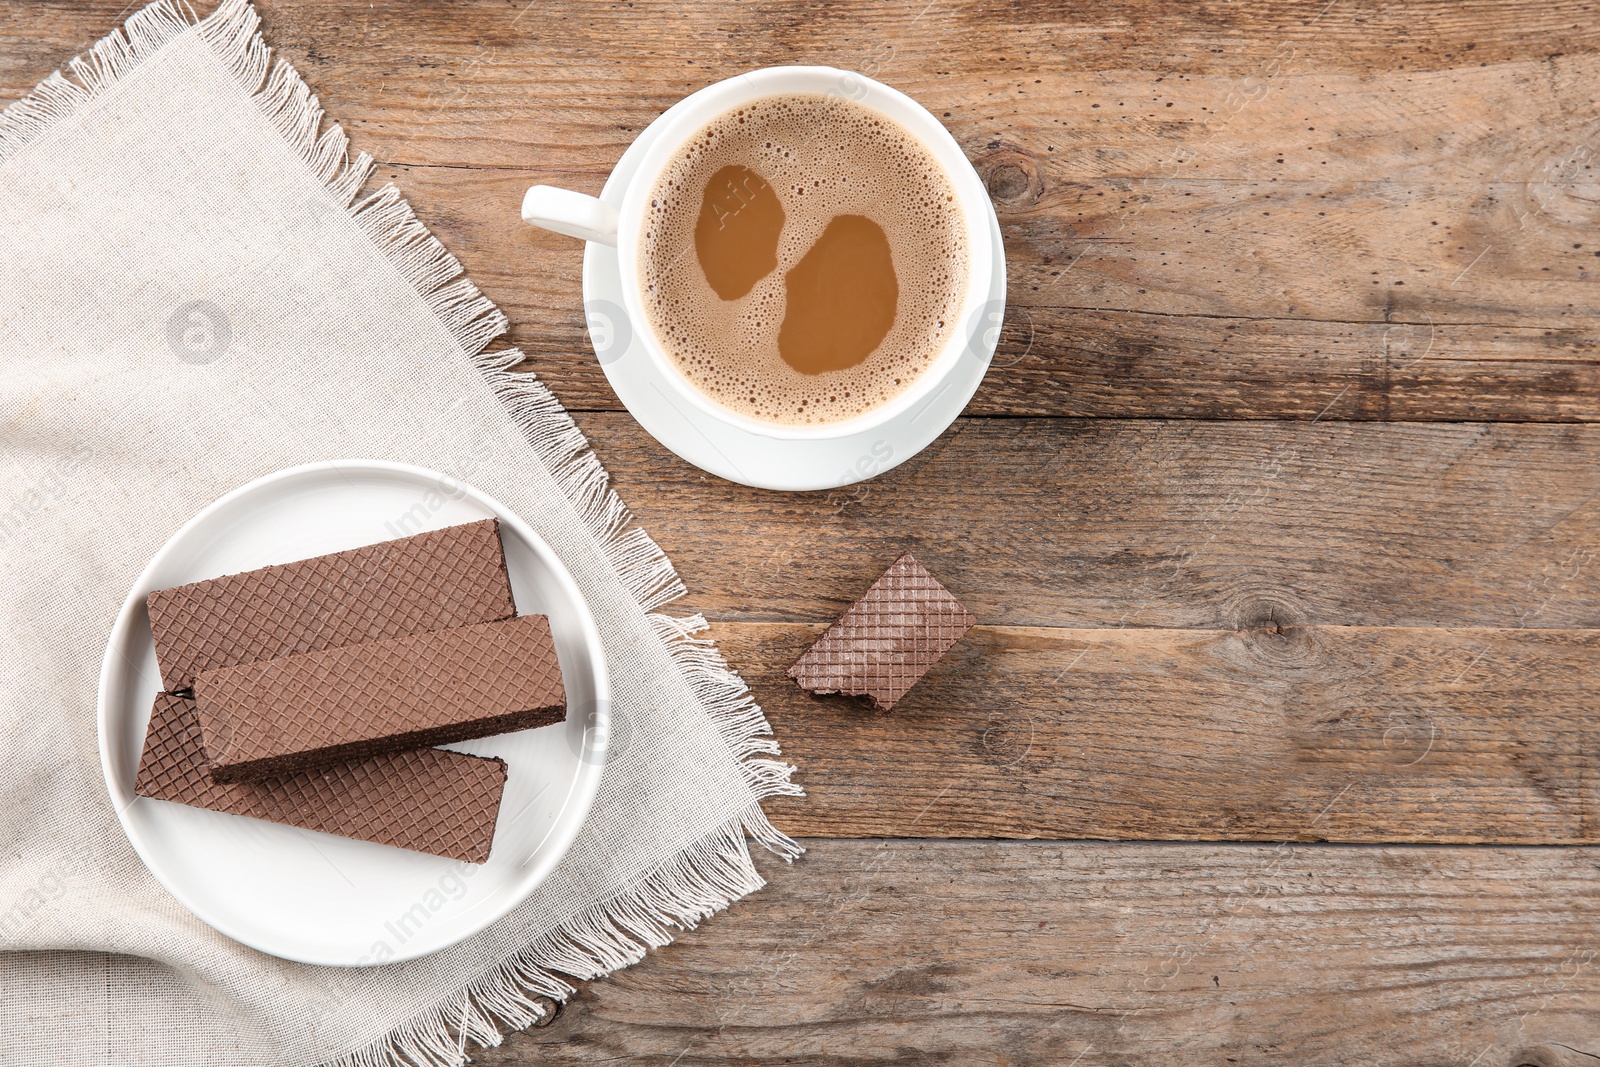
887	640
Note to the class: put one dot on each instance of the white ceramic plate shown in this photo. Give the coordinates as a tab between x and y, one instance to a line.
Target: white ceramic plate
751	458
315	897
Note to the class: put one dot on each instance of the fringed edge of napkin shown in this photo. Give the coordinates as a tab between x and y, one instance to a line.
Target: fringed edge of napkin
713	872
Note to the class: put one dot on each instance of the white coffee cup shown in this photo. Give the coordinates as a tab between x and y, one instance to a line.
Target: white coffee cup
592	219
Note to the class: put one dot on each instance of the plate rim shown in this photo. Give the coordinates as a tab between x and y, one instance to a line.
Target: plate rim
591	762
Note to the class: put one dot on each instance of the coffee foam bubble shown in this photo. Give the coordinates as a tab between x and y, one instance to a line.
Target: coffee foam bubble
824	157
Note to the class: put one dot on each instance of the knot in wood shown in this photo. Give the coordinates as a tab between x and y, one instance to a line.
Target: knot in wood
1557	1055
1273	628
548	1008
1011	175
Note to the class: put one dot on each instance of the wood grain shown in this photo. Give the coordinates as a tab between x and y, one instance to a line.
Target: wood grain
1268	210
1273	733
1063	353
1204	216
911	952
1369	615
1203	525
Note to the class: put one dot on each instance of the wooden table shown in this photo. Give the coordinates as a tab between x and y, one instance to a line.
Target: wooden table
1280	509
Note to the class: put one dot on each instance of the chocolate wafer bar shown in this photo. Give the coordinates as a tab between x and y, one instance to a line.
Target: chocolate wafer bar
425	799
887	640
298	713
443	578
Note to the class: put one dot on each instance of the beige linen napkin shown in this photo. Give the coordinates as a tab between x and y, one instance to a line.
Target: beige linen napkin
191	296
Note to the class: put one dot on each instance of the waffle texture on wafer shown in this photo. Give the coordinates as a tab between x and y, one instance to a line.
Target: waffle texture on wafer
425	799
298	713
887	640
443	578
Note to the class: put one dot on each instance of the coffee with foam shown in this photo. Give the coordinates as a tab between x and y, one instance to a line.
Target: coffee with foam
803	260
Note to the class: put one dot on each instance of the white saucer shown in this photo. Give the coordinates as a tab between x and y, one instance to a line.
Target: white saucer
314	897
750	458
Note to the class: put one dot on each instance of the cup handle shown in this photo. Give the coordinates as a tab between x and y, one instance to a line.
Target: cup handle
574	214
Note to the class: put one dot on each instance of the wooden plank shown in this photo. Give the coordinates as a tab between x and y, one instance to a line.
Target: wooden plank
1290	238
1098	955
491	83
1292	733
1362	215
1217	526
1063	358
